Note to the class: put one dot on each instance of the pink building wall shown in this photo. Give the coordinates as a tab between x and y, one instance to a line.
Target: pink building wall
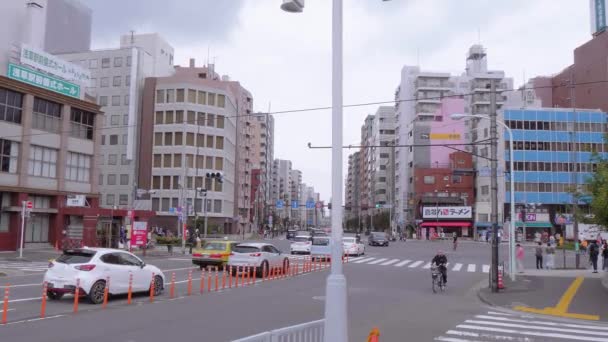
441	155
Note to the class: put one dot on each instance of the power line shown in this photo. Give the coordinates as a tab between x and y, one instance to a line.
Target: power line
311	109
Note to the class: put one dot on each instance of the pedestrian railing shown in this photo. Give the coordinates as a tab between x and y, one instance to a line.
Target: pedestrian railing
305	332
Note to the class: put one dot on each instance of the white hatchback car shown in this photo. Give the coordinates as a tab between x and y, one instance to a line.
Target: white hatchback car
301	244
92	266
260	255
352	246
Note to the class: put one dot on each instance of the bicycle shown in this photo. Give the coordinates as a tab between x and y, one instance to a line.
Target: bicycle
437	279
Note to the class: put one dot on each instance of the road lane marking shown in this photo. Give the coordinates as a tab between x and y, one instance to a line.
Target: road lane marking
21	285
532	333
355	259
377	261
179	269
485	268
403	263
24	299
364	260
427	266
555	324
449	339
390	262
180	259
416	264
34	319
499	313
457	267
537	327
471	268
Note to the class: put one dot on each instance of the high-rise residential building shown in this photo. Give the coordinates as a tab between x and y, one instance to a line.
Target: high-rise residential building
194	117
43	24
418	99
283	176
295	186
382	171
262	149
553	156
351	190
117	81
366	160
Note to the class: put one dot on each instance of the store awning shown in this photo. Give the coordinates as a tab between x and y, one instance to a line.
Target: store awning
534	224
446	224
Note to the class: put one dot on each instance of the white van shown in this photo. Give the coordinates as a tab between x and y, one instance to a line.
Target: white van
321	247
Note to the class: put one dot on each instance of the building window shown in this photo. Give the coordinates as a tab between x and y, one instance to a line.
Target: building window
482	217
11	103
116	81
114	139
124	139
167	160
200	140
217	206
220	121
179	116
105	62
217	186
9	155
125	119
180	95
104	82
176	182
160	96
190	139
115	120
209	141
202	97
127	100
93	63
124	160
429	179
169	117
456	179
166	204
124	179
123	199
128	60
117	62
47	115
211	99
158	160
100	179
78	167
111	159
210	120
179	137
103	101
111	179
219	143
81	123
158	118
170	95
42	162
109	199
485	189
221	101
115	100
156	182
168	138
191	96
166	182
158	139
177	160
219	163
128	80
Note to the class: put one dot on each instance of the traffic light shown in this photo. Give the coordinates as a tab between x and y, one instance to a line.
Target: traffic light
216	175
378	205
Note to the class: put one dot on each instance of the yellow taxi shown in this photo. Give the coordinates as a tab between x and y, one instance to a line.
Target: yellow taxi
213	253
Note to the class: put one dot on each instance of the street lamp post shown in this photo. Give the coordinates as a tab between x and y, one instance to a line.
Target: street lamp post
511	188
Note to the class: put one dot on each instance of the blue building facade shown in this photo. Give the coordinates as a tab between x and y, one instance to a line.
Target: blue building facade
553	153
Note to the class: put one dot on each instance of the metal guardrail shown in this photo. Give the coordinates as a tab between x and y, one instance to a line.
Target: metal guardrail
305	332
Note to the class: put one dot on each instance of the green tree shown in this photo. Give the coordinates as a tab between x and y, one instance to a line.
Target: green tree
598	185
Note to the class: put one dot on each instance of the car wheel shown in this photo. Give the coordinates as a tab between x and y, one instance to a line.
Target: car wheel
96	292
158	285
285	265
263	268
54	295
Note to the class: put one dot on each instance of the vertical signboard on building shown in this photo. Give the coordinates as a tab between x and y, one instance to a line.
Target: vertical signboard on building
598	16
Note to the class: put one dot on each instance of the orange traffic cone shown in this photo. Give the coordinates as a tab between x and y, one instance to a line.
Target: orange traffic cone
374	335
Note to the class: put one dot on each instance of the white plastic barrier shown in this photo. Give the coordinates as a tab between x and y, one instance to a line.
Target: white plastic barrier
305	332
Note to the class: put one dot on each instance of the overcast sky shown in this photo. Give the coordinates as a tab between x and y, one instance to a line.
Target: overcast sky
284	59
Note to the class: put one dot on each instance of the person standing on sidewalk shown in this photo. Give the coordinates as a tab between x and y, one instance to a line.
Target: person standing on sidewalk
550	256
604	256
539	256
593	254
519	255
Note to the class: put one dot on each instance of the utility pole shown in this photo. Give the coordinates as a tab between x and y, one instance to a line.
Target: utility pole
573	143
494	186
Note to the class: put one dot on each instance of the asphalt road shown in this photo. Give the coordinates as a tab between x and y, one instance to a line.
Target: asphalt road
389	287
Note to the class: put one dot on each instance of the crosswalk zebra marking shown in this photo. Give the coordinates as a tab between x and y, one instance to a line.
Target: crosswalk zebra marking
403	263
390	262
377	261
416	264
457	267
427	266
485	268
364	260
471	268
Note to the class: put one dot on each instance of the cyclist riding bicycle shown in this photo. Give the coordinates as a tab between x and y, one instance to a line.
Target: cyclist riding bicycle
455	241
441	260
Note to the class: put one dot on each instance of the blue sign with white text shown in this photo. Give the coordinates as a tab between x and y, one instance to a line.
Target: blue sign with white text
280	204
294	205
310	204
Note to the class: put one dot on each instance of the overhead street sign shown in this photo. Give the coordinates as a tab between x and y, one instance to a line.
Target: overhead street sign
310	204
280	204
294	204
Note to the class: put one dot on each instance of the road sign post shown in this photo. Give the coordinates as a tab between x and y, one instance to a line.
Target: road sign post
26	208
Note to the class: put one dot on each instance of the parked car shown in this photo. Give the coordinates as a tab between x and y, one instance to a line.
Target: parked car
318	232
92	266
321	247
301	244
352	246
262	256
378	239
304	233
213	253
291	233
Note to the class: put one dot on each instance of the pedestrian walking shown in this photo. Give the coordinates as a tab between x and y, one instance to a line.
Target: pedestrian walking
604	256
519	255
552	240
550	250
593	255
539	256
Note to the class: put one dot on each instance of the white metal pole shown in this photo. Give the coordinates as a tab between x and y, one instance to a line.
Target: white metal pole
23	204
335	304
512	190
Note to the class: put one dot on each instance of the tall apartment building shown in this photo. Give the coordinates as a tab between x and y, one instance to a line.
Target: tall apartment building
43	24
283	168
194	116
383	150
262	149
351	190
295	186
366	158
553	149
418	99
117	82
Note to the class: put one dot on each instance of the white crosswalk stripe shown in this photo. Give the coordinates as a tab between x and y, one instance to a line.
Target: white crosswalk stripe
427	266
390	262
485	268
377	261
364	260
37	266
416	264
471	268
497	326
457	267
403	263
